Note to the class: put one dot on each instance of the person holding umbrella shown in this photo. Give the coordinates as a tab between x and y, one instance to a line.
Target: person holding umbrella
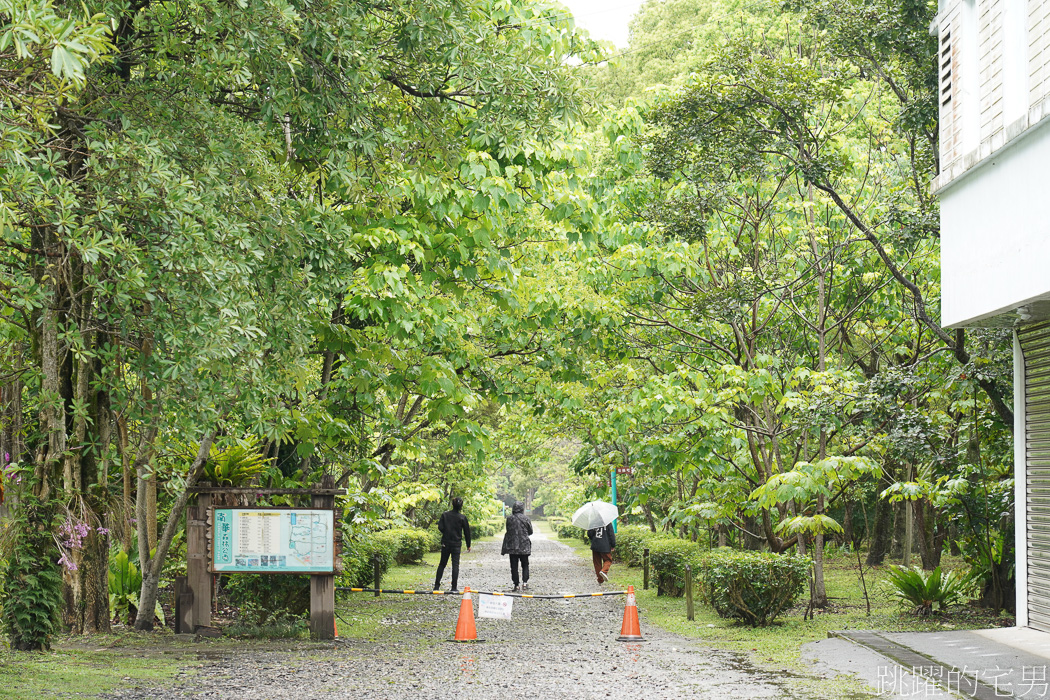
517	544
596	517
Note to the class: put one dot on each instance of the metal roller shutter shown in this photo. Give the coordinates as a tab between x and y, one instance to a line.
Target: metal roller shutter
1035	346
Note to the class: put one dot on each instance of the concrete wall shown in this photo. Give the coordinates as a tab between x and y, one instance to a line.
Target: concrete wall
995	233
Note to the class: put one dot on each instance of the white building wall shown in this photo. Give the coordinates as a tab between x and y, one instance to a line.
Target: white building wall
994	188
995	234
994	66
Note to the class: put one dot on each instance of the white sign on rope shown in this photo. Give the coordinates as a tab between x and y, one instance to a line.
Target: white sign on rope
495	606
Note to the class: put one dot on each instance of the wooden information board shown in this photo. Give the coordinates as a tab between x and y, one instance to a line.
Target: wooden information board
272	540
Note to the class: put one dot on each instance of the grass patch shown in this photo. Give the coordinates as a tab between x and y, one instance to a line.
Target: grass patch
286	629
70	673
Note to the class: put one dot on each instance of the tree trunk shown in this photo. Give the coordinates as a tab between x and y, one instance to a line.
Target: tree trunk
151	571
86	584
930	535
899	518
87	589
882	532
820	594
12	443
151	511
649	517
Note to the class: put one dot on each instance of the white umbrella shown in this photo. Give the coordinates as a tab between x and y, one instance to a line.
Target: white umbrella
594	514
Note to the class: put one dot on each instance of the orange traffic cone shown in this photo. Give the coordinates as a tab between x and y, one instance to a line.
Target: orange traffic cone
465	629
630	632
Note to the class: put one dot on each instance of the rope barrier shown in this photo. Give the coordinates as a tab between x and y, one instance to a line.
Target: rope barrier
563	596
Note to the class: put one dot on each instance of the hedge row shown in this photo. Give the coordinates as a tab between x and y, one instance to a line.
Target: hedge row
403	545
632	540
556	520
753	587
568	531
487	528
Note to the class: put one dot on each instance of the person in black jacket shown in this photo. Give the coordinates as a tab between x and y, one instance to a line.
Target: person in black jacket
603	542
517	544
454	530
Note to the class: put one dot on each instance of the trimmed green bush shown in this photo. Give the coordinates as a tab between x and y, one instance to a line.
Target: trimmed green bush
754	587
435	539
554	521
409	544
568	531
358	557
668	557
631	541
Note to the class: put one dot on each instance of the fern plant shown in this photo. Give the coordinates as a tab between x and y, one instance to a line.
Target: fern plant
236	465
919	591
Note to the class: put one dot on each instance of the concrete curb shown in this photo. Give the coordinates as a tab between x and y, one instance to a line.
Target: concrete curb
919	665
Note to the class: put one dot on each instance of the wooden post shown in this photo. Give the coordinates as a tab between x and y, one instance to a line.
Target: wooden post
198	578
183	607
645	569
688	592
377	574
322	586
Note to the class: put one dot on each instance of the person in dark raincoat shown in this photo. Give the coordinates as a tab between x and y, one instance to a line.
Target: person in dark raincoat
517	544
454	530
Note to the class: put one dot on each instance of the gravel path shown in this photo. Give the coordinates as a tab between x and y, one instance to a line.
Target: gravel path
550	649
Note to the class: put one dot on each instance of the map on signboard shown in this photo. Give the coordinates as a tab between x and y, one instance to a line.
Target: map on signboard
272	541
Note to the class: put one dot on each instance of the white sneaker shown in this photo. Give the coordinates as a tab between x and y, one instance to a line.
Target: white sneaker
605	576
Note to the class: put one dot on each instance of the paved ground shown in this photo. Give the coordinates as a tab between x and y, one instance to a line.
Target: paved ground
982	664
550	649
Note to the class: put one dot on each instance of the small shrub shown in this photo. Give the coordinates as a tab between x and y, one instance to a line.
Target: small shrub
266	599
568	531
752	586
358	560
631	542
916	589
668	557
408	543
487	528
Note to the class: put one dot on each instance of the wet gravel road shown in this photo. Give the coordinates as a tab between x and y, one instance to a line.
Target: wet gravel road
550	649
